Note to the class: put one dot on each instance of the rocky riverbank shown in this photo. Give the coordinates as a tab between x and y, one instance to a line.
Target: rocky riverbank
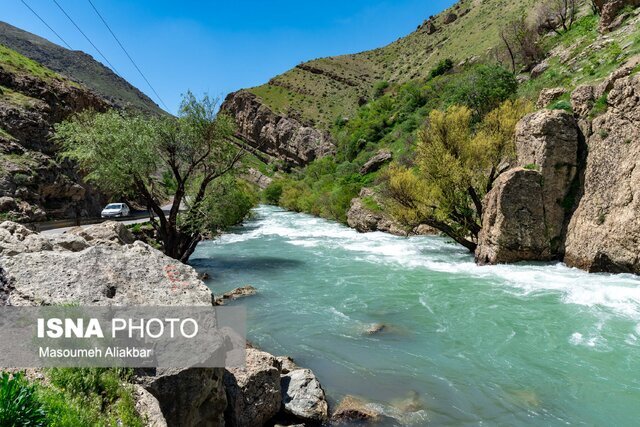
104	265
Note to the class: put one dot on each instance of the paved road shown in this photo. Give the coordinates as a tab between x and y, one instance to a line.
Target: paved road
61	230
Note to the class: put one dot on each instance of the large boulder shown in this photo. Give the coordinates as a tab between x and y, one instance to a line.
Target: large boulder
110	231
365	218
188	396
253	392
303	397
52	270
526	211
604	231
376	162
609	12
352	409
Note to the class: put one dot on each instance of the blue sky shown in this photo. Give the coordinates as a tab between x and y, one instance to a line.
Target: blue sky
221	46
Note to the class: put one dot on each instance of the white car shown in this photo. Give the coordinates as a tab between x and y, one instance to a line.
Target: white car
115	210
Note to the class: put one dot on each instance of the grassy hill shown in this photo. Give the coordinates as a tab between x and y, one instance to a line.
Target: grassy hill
322	90
77	66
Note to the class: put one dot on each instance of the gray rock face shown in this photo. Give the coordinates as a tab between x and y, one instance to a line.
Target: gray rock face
282	137
42	270
365	220
39	183
604	231
547	96
258	178
149	408
66	269
525	212
610	10
188	397
303	397
376	162
109	231
253	393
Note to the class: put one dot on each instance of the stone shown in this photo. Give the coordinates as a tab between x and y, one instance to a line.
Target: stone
547	96
582	100
61	269
375	328
625	70
525	212
148	407
287	364
430	27
365	220
604	231
254	392
51	270
353	409
539	69
110	231
241	292
303	396
424	230
609	13
376	162
282	137
187	396
449	18
258	178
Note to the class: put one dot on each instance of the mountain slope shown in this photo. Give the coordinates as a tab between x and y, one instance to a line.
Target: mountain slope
77	66
320	91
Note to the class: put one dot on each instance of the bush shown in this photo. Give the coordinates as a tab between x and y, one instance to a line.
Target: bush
379	88
444	66
272	193
19	405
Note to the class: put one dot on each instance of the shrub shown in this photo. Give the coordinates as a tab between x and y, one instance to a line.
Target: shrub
272	193
444	66
379	88
561	104
19	405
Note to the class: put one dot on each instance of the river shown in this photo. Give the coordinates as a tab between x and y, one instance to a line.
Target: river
526	344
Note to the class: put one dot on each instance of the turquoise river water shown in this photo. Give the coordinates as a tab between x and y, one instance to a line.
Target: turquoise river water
532	344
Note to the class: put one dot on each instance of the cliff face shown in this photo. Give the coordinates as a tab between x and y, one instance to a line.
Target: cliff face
283	138
34	183
580	201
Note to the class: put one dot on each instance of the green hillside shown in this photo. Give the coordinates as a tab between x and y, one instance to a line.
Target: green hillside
325	89
77	66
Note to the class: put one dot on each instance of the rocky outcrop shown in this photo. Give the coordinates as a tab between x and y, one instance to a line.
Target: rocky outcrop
148	407
376	162
254	392
303	396
449	18
34	183
365	219
547	96
604	231
284	138
352	409
99	270
256	177
53	270
240	292
526	210
610	9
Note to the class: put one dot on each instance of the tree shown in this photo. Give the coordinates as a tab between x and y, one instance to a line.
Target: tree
455	169
127	154
522	42
556	15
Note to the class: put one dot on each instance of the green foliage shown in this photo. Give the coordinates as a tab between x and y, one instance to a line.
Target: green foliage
123	153
457	165
271	195
561	104
21	179
19	405
379	88
483	88
15	62
532	166
443	67
600	106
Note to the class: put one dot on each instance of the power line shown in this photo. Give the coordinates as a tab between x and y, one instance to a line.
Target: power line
86	37
47	25
127	53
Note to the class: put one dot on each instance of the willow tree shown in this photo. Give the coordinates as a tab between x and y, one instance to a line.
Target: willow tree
135	156
457	165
